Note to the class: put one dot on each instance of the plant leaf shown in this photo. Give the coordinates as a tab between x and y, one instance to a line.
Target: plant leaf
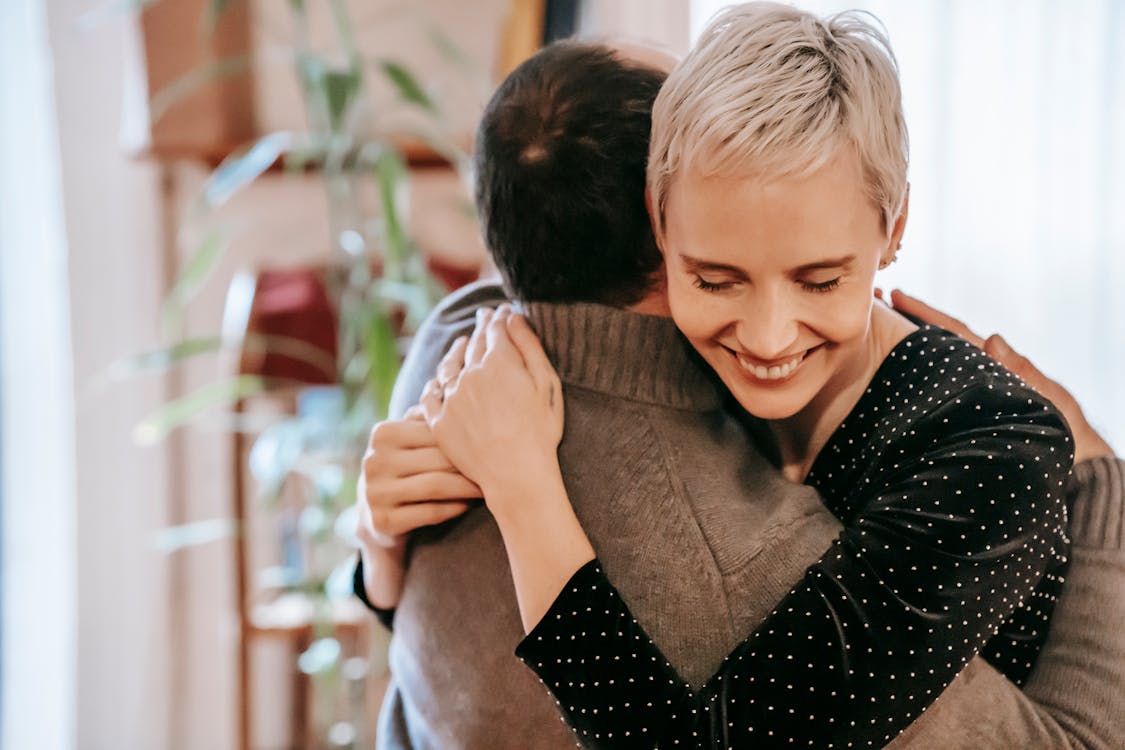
407	85
391	175
193	80
320	657
163	359
275	452
157	425
198	268
215	9
381	352
340	88
239	170
175	538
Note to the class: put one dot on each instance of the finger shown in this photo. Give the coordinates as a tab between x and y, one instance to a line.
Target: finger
477	342
414	413
407	518
496	335
531	351
396	464
400	434
913	306
451	364
1000	350
453	361
431	403
879	293
434	485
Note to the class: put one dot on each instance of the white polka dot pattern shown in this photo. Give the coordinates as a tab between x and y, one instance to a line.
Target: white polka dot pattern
949	476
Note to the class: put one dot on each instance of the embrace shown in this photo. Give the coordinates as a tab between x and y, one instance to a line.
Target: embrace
685	479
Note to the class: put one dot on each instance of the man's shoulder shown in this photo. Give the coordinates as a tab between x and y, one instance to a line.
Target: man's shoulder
452	317
459	307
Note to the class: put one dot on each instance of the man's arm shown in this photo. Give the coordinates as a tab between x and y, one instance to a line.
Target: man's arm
382	562
1075	698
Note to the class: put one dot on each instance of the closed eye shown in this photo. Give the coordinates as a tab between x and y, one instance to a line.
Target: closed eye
708	286
823	286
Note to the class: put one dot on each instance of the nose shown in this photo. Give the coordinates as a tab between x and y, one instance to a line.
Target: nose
768	329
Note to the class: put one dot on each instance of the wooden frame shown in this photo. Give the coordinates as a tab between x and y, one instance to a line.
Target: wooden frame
217	118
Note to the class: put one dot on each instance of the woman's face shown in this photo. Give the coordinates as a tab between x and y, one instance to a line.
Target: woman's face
771	280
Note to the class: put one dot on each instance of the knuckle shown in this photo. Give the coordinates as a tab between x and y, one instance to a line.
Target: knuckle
382	432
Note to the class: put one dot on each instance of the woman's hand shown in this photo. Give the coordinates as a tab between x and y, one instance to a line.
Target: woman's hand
1087	442
497	411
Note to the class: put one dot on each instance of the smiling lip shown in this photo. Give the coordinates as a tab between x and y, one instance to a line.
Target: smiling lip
773	373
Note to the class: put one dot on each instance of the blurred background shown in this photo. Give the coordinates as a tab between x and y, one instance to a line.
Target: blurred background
220	220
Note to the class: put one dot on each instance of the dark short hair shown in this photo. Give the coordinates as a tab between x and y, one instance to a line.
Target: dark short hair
560	176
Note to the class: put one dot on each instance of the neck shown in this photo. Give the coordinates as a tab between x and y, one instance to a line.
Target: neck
801	437
655	301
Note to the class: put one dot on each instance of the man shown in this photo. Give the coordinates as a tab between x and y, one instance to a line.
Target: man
701	535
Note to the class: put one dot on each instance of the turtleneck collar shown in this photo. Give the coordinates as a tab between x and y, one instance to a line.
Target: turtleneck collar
624	354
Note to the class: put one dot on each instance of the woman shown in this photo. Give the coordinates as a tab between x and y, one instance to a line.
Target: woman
777	181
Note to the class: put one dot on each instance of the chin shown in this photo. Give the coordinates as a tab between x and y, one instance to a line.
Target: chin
772	400
765	405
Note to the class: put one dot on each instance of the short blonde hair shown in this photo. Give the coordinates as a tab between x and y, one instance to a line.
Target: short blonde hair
772	90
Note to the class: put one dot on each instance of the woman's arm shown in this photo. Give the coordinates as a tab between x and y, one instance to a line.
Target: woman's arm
910	591
857	649
524	488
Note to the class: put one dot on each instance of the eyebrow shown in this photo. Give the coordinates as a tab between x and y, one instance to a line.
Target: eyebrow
844	260
697	265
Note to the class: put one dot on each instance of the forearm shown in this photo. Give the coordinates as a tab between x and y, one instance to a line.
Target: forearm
1080	676
543	538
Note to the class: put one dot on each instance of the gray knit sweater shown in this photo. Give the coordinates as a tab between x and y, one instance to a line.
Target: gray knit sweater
702	559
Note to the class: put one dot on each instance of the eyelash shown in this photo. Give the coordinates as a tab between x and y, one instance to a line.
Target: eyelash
707	286
826	286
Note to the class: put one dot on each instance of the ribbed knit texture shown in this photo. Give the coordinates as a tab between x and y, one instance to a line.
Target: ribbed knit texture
575	338
1098	505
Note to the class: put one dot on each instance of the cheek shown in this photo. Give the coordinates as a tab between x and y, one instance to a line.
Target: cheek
697	315
844	316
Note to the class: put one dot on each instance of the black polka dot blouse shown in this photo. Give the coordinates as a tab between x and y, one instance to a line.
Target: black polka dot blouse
949	476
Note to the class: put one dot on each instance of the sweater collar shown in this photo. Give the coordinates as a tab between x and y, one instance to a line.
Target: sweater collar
624	354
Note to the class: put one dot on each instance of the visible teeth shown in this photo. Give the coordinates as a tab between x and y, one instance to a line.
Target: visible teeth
776	372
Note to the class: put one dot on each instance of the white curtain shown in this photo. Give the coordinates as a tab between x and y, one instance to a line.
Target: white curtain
1016	110
37	490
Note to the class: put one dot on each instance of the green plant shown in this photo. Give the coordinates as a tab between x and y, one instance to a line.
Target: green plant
377	282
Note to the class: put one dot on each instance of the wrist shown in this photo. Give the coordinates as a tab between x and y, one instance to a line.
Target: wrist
525	490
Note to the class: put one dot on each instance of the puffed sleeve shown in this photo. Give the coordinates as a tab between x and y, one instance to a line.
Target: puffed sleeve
956	523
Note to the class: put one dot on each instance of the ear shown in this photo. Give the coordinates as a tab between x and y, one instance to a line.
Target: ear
899	227
652	219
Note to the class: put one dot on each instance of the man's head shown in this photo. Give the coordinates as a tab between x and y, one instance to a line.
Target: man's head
560	172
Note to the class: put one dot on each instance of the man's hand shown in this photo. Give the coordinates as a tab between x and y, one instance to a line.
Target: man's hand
406	483
1087	442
